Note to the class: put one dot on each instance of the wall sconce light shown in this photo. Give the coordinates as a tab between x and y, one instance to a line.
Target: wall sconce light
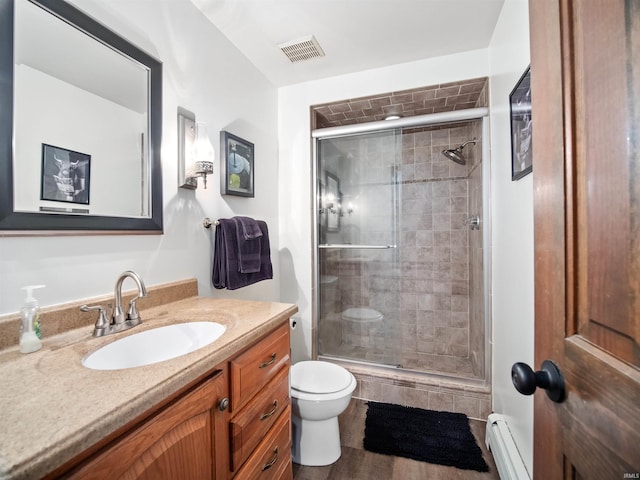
329	204
195	152
350	208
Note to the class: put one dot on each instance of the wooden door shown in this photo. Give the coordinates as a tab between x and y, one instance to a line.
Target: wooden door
585	71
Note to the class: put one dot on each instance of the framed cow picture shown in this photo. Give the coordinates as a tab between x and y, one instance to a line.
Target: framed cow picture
65	175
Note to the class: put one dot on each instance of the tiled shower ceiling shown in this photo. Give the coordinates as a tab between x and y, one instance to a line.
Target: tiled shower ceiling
444	97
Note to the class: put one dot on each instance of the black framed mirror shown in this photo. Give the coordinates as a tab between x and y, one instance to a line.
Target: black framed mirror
80	127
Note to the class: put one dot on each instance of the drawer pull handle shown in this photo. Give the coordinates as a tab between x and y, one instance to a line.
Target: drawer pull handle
273	410
266	364
272	462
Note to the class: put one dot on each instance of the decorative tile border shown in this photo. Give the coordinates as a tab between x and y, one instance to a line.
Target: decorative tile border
444	97
380	384
452	398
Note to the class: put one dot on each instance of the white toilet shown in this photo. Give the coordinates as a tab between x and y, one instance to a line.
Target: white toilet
362	315
320	391
360	320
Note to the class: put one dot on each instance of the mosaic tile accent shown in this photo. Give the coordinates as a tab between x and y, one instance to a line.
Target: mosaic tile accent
444	97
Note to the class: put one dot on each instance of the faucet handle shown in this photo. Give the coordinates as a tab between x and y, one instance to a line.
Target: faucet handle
102	323
133	315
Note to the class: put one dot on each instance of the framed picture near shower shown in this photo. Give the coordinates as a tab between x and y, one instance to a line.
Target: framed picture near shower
520	107
236	165
65	175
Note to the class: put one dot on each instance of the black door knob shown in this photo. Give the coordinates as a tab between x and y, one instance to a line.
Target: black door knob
548	378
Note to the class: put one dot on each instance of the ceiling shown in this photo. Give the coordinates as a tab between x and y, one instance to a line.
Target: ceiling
355	35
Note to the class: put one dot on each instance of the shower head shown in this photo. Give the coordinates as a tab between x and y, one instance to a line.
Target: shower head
456	155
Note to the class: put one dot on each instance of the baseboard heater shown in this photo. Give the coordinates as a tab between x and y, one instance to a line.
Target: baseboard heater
505	453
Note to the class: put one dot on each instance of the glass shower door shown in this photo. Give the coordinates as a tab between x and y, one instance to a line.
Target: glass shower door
358	280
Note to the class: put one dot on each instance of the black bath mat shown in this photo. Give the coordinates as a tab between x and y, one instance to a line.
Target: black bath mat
436	437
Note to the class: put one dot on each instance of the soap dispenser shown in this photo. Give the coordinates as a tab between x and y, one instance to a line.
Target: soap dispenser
30	313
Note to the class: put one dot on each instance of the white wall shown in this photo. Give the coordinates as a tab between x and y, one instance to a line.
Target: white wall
512	211
202	72
296	163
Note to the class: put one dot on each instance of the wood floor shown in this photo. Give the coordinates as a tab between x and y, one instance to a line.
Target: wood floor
359	464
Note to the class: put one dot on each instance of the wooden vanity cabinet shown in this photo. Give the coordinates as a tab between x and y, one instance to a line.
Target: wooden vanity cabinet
176	442
193	437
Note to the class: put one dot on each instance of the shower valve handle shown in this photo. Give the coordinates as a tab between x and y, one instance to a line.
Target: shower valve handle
548	378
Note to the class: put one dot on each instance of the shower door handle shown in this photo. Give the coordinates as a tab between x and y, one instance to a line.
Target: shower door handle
473	222
353	247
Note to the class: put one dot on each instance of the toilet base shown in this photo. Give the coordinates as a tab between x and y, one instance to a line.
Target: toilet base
315	443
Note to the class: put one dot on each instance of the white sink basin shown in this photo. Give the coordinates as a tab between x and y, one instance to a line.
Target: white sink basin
153	346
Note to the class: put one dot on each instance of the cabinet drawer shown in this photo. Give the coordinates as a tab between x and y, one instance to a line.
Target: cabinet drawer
251	423
252	370
272	459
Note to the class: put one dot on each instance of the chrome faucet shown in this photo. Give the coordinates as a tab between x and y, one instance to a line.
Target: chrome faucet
119	321
118	317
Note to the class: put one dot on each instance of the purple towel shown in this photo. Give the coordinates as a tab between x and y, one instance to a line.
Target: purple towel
248	246
250	227
226	272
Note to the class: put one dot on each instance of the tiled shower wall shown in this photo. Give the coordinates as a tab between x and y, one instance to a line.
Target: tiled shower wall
434	246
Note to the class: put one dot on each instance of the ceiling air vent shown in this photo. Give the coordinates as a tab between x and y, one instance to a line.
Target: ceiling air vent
304	48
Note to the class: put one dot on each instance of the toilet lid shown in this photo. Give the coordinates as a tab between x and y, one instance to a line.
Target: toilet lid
319	377
328	279
362	314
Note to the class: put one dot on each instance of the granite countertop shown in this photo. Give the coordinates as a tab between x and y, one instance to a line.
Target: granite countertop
53	408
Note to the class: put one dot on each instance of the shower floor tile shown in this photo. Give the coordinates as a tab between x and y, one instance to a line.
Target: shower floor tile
358	464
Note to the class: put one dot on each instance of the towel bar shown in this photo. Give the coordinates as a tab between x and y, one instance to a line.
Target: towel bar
206	223
351	246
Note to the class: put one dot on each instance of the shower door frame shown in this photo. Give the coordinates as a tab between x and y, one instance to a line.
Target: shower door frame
482	114
316	245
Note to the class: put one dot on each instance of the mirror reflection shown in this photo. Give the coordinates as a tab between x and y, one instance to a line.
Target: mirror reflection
80	121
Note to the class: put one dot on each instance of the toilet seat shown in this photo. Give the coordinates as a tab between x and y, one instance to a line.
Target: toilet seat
317	377
362	314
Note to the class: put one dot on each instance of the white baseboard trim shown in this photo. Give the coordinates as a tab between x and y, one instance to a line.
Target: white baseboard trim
505	453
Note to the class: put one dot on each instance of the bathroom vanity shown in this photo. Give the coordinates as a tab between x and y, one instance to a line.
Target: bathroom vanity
222	411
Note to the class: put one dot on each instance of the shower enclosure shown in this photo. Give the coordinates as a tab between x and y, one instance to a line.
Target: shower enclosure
399	245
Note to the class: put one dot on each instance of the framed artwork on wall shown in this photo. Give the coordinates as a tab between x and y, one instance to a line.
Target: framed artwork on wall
236	165
521	124
65	175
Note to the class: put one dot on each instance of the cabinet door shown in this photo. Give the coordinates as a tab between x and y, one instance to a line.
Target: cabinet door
178	442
